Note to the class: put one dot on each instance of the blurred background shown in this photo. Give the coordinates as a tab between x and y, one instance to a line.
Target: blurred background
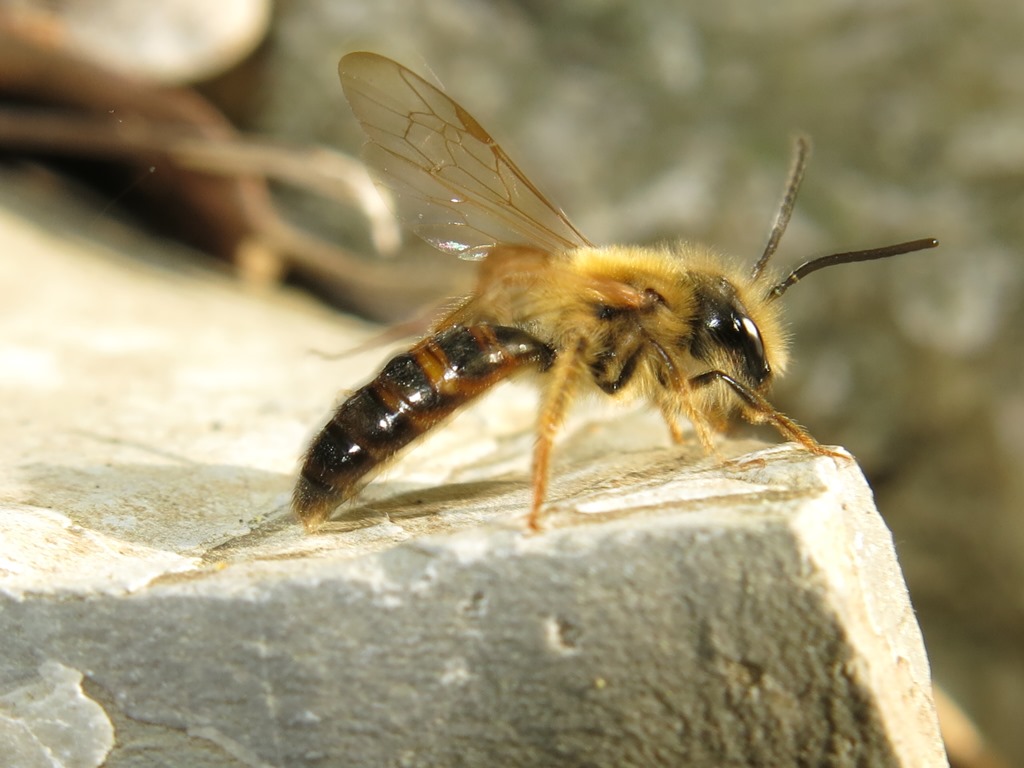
647	121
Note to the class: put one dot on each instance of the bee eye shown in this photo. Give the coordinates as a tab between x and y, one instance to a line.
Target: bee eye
723	324
739	334
747	326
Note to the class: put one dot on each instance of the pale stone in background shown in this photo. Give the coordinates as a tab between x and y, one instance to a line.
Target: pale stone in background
173	41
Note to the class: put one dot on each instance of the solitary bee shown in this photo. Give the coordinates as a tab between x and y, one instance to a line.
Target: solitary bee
677	326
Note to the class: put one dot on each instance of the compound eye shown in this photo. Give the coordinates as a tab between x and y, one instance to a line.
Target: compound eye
749	344
725	326
747	327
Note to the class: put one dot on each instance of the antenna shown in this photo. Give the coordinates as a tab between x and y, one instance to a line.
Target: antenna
801	151
847	258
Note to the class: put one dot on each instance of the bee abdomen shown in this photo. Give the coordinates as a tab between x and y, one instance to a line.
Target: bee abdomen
414	392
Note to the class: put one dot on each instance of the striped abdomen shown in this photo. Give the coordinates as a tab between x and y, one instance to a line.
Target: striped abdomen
413	393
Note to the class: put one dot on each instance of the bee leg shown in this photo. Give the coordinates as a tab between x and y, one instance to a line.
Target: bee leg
757	410
669	413
672	407
557	395
701	425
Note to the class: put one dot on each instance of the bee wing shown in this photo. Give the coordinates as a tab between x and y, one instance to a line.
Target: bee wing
453	185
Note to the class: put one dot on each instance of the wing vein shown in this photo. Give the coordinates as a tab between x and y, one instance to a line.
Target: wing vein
450	181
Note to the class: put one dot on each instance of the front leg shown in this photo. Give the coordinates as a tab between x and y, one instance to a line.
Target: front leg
757	410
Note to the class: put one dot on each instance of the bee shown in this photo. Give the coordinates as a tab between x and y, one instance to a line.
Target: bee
676	326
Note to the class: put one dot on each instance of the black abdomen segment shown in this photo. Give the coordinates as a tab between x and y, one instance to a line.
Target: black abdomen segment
412	394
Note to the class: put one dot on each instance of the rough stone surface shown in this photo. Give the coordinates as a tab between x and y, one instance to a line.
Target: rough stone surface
657	120
157	600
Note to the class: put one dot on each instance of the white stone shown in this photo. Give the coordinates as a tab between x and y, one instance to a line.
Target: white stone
677	610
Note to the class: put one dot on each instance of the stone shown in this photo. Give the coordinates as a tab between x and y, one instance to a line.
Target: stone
158	601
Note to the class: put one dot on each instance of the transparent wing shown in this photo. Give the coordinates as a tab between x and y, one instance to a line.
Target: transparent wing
453	185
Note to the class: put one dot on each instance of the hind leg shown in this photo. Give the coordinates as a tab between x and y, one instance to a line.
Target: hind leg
564	378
